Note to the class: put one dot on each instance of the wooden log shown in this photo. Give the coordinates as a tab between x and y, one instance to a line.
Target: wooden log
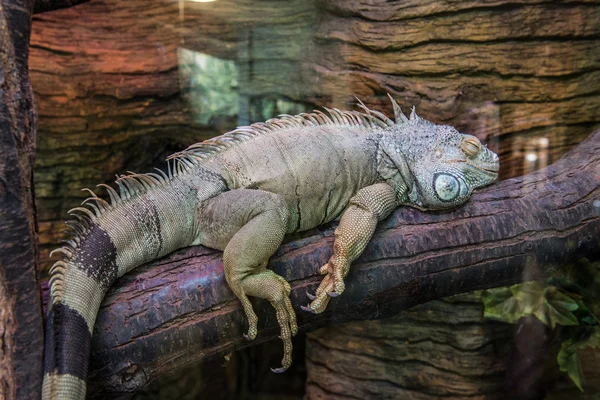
21	333
178	310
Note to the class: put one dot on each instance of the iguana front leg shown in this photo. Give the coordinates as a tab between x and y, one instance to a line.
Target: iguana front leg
249	225
369	206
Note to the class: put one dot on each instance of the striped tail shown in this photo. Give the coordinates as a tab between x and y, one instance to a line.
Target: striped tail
78	285
151	216
68	338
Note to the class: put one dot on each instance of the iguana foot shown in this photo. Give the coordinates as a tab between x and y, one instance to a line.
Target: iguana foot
332	286
308	309
251	316
268	285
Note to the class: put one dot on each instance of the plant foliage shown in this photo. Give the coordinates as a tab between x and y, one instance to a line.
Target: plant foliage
570	299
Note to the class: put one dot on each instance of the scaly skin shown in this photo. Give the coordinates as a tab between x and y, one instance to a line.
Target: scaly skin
242	193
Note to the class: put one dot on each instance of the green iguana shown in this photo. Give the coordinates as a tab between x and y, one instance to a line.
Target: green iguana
242	192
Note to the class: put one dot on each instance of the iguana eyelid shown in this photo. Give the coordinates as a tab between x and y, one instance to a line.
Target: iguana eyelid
471	146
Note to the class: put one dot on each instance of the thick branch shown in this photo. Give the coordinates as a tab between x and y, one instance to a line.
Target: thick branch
179	309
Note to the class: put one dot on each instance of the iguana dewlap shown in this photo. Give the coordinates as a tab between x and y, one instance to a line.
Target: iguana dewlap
242	192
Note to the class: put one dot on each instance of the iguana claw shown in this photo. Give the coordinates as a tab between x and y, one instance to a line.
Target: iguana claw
311	297
308	309
279	370
333	294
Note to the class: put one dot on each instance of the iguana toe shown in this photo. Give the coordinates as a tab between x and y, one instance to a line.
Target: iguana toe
286	318
319	304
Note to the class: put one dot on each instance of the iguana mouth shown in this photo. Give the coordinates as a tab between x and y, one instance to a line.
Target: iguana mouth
488	168
487	163
493	168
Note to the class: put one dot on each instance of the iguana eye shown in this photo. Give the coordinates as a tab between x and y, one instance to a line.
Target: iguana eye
471	146
446	187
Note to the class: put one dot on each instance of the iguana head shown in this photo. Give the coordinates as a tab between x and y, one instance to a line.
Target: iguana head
438	166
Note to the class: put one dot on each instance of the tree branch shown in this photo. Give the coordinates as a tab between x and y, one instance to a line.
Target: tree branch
179	310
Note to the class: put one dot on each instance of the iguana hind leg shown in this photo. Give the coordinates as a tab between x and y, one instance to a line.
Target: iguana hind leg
267	284
369	206
249	225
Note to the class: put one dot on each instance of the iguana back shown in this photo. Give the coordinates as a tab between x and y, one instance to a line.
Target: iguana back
315	169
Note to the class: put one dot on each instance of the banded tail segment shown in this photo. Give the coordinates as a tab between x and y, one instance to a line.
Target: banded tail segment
152	215
78	285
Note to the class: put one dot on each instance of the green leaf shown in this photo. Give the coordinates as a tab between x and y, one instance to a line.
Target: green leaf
569	362
567	356
557	308
500	304
582	277
530	296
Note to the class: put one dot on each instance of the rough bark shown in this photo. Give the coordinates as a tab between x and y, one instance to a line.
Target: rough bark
21	336
178	310
440	349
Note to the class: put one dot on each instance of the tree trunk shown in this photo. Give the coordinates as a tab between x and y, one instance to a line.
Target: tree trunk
21	335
